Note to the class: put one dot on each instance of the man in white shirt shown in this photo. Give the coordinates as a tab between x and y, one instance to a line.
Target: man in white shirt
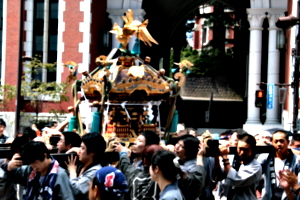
243	175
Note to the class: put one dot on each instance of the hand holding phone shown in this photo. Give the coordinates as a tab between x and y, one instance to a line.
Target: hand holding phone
15	162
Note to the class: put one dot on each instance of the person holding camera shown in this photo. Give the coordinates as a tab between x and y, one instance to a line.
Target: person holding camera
42	177
191	164
90	156
243	175
137	172
210	148
146	138
281	158
140	185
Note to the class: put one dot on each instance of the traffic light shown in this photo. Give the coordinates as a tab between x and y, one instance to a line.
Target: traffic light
260	98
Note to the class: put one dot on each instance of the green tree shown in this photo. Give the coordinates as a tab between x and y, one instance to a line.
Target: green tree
36	92
208	61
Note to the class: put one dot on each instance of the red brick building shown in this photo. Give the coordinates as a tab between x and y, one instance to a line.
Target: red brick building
204	27
58	31
77	30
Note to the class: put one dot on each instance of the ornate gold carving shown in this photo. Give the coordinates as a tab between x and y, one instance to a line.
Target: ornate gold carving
91	86
126	78
136	71
102	60
126	61
181	78
132	27
185	63
149	84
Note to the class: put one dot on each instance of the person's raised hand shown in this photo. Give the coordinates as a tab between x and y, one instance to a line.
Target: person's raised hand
72	166
73	150
118	147
224	151
287	178
15	162
201	149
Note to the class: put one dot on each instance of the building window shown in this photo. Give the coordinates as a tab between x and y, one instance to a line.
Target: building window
204	35
45	25
52	39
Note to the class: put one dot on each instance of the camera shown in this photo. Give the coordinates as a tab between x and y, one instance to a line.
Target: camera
19	158
211	148
116	143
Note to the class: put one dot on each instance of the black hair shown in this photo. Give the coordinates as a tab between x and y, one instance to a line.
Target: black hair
148	153
95	143
2	122
104	194
151	137
191	146
17	144
51	124
286	134
249	139
72	138
226	133
192	129
163	159
34	150
296	137
239	131
29	133
182	132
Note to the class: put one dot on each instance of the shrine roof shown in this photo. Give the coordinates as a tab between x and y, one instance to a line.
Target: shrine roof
200	88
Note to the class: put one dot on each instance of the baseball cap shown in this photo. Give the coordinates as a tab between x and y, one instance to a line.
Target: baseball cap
112	180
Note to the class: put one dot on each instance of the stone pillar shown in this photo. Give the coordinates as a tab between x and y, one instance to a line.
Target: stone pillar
117	8
45	38
273	67
255	18
138	15
116	17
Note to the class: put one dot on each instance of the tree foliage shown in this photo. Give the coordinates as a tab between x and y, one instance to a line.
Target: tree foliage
33	90
208	61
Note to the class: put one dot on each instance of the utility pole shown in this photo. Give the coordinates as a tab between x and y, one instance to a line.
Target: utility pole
295	85
296	79
20	69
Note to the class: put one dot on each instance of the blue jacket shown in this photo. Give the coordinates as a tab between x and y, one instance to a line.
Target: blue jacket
62	188
171	192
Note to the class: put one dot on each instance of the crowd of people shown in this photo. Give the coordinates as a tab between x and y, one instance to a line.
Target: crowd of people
189	166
